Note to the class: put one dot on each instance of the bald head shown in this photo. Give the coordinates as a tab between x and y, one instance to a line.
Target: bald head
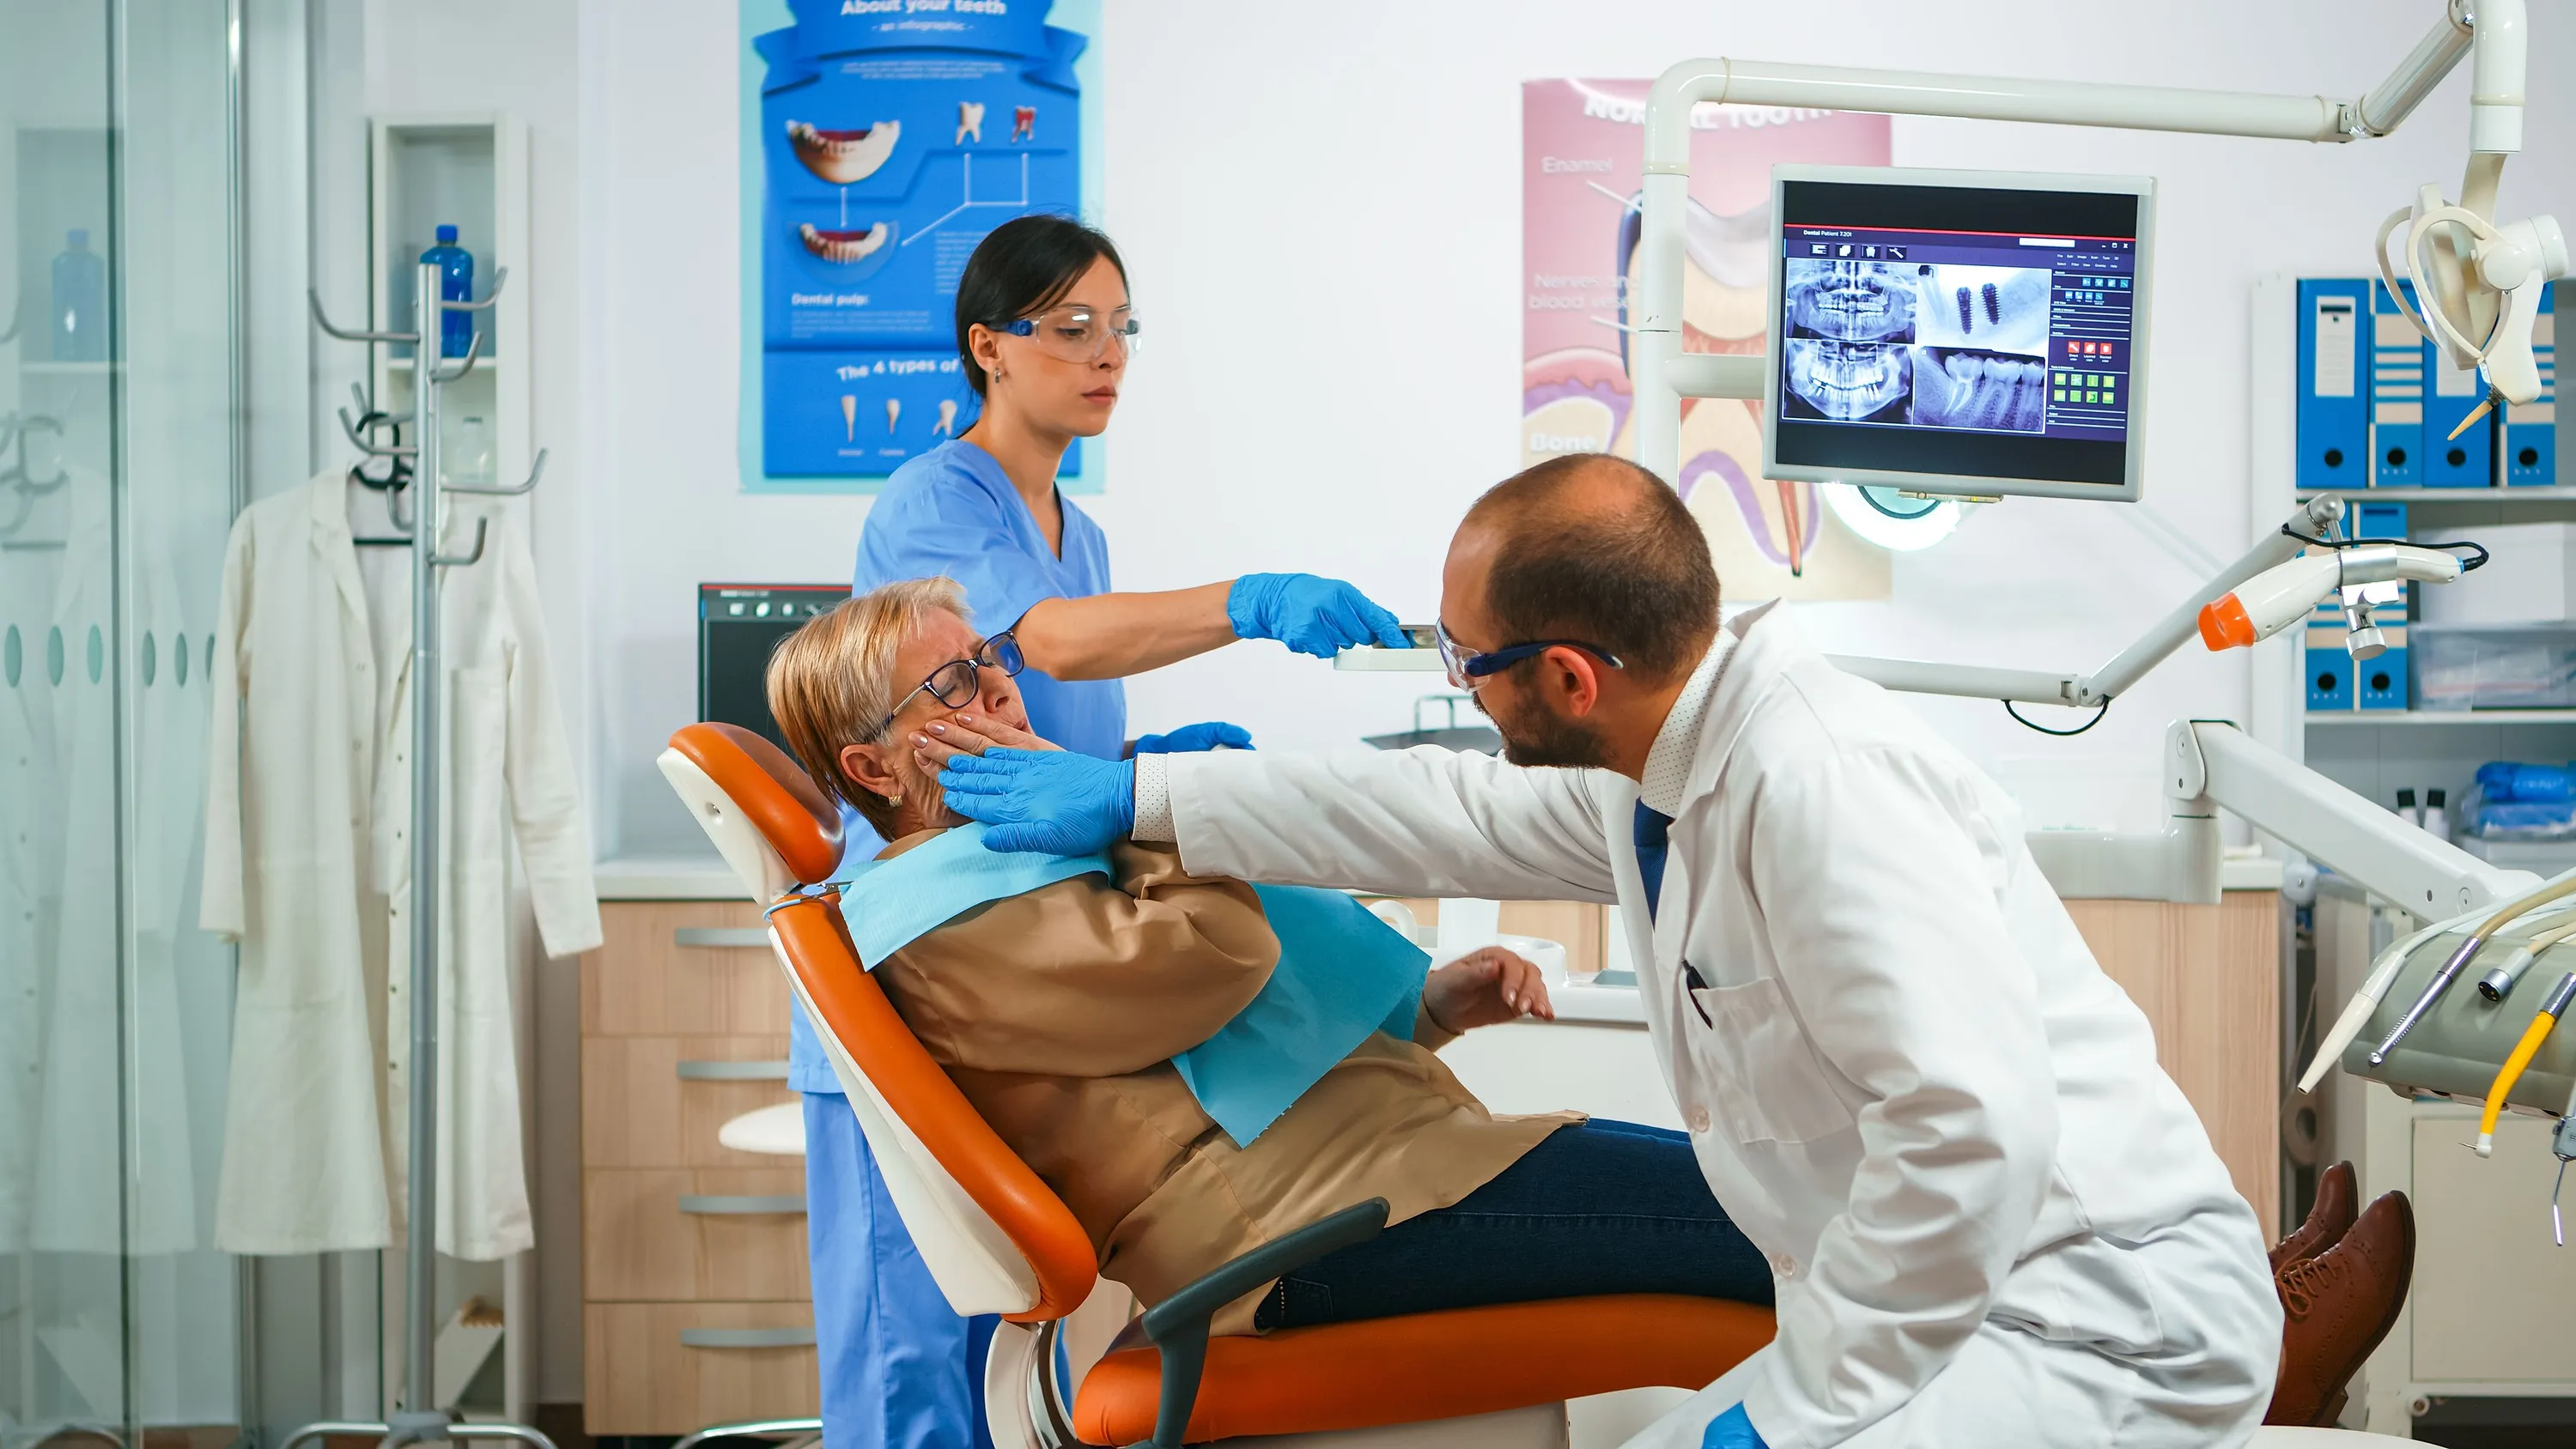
1594	548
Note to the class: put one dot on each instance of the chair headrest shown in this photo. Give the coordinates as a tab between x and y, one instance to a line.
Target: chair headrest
773	793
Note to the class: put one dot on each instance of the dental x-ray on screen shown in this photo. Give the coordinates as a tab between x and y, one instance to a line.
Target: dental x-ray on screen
1958	332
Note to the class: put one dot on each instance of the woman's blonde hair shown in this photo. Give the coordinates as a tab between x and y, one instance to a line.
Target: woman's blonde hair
832	684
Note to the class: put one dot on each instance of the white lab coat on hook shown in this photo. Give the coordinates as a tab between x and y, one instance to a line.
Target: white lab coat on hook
308	863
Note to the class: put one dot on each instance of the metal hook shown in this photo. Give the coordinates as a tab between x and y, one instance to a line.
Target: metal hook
473	349
482	529
500	277
371	449
535	472
322	320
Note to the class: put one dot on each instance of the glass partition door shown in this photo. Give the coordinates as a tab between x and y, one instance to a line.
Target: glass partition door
118	482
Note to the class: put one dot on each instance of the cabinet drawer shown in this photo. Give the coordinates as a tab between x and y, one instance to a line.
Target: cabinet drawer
658	1101
682	968
676	1235
675	1368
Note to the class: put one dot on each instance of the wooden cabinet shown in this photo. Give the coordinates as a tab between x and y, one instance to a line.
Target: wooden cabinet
696	1303
650	1367
2209	980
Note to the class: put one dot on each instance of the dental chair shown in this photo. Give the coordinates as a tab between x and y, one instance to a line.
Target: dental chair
998	1240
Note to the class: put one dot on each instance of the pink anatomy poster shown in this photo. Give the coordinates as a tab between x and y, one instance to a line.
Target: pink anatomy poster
1583	145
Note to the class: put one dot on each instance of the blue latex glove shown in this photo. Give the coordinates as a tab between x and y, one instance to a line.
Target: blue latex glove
1311	615
1190	739
1053	801
1731	1430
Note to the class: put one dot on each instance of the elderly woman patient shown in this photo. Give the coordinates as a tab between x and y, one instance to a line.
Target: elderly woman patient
1119	1023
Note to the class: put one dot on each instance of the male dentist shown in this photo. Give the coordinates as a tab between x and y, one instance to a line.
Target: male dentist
1994	1219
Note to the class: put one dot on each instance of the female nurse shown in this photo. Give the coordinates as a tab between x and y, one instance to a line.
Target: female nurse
1045	331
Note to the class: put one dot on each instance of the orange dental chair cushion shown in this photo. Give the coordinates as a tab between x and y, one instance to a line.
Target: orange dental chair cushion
1426	1366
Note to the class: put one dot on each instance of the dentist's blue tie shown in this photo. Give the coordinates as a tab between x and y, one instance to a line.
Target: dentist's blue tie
1654	842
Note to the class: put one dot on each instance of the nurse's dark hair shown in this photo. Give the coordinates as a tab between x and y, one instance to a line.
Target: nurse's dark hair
1021	268
1596	549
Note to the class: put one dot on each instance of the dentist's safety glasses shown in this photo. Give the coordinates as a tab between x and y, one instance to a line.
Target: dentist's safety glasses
1076	333
955	683
1468	669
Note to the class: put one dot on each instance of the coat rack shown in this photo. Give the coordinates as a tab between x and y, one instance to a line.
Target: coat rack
420	1421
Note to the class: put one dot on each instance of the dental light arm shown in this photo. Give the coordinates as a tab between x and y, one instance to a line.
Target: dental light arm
2316	518
2280	596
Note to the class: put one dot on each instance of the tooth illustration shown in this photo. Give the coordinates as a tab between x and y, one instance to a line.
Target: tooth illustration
842	157
844	246
970	121
1024	123
894	410
946	427
849	417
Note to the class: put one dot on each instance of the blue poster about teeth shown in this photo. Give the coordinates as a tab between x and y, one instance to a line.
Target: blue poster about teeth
894	134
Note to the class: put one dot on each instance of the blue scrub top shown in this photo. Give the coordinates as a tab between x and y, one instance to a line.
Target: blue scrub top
953	511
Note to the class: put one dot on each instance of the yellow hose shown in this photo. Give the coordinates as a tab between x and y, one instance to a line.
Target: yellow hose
2511	1072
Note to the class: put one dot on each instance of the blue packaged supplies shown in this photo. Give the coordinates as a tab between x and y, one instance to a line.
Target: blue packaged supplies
2508	782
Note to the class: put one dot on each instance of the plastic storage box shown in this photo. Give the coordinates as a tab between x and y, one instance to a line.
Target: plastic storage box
2461	667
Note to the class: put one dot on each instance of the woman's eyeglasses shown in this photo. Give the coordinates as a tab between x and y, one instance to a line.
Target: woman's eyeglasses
958	681
1076	333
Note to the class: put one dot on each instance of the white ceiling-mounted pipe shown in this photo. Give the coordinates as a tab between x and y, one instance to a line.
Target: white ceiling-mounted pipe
2496	75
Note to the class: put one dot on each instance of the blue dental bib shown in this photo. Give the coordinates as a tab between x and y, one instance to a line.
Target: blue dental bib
1342	972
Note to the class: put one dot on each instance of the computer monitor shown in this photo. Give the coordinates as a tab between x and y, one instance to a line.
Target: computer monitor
739	627
1959	332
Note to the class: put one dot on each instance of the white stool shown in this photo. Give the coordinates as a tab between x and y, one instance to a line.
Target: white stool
777	1131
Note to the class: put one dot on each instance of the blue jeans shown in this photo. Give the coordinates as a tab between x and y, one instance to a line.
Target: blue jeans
900	1369
1604	1207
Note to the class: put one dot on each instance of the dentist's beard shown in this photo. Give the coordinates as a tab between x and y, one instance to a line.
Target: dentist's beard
1541	739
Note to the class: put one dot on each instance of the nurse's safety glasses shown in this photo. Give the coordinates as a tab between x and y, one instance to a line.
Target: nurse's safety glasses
1467	669
1076	333
957	682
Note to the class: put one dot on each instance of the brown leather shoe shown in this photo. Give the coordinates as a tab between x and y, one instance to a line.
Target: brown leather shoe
2338	1305
2338	1202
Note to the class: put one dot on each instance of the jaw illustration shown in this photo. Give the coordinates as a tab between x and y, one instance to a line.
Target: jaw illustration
841	157
1848	380
843	246
1957	388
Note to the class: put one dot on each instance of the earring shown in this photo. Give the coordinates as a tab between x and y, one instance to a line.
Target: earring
895	799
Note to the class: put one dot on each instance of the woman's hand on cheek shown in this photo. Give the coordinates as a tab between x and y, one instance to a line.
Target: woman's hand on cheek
942	740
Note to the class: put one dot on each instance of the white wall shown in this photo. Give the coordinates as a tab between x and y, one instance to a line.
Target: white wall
1354	167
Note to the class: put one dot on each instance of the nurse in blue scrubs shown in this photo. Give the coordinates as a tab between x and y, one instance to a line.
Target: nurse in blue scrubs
1045	328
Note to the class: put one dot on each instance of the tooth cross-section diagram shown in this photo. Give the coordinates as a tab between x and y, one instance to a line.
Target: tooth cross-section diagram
842	157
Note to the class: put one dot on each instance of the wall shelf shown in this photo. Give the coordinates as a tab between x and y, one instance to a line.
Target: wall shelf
2560	494
2435	718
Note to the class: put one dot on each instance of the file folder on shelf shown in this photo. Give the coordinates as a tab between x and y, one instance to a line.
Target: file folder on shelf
2531	429
2334	389
2397	354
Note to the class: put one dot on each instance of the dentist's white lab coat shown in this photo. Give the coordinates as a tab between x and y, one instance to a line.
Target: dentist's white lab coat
1993	1218
308	864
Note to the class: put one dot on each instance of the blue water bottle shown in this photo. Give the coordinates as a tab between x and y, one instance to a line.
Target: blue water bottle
80	301
455	284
